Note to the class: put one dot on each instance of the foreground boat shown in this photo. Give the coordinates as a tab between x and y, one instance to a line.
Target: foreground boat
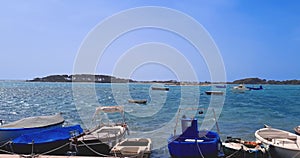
237	148
100	140
281	144
133	147
53	141
29	125
193	143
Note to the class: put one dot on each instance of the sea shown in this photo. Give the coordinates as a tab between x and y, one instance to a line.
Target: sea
232	114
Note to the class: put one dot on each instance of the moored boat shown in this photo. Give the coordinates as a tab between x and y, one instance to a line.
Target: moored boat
214	92
220	86
194	143
160	88
142	101
133	147
101	139
53	141
29	125
238	148
255	88
240	88
280	143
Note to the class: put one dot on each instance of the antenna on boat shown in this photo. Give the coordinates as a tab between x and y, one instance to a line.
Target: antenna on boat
216	121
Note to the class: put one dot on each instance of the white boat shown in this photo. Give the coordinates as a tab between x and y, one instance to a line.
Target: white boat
281	144
101	139
133	147
29	125
240	88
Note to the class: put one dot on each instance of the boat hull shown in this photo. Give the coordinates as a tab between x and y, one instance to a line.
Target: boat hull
278	152
179	149
91	148
26	126
9	134
239	151
58	148
54	141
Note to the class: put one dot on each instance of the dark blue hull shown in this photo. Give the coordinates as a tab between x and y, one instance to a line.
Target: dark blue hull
180	147
192	143
54	141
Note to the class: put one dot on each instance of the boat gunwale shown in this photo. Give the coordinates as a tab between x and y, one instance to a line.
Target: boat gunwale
270	143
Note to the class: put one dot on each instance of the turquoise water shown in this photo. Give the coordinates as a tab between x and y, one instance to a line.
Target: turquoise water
242	113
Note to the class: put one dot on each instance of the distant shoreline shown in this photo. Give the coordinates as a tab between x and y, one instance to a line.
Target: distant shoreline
112	79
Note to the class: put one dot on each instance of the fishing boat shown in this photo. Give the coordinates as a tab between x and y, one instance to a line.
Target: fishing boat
255	88
29	125
280	143
238	148
214	92
99	141
160	88
133	147
52	141
240	88
194	143
142	101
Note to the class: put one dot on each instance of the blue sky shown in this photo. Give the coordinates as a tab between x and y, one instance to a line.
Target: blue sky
255	38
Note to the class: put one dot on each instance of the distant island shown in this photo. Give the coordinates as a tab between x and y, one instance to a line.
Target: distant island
112	79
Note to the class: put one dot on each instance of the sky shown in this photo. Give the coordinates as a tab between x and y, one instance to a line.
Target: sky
255	38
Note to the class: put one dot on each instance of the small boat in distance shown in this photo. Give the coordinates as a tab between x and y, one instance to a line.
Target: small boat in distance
240	88
160	88
214	92
142	101
29	125
220	86
255	88
280	143
133	147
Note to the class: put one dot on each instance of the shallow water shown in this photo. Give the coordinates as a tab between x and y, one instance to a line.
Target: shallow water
242	113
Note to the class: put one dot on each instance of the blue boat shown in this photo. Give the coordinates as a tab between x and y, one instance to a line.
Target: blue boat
193	143
255	88
53	141
29	125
